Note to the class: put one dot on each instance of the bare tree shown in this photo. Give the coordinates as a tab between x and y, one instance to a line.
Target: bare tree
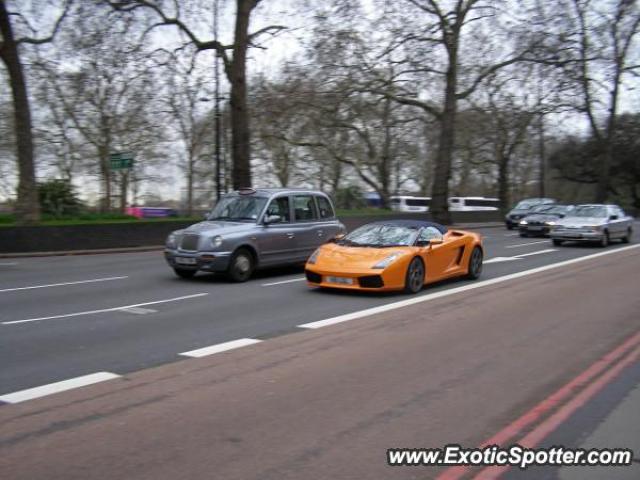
27	207
235	66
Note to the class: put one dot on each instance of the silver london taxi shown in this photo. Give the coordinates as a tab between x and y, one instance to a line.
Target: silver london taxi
250	229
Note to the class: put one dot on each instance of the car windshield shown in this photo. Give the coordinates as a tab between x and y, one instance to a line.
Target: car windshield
590	211
238	208
376	235
541	208
524	205
557	210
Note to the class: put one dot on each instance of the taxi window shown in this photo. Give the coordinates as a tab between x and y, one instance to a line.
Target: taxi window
324	205
304	207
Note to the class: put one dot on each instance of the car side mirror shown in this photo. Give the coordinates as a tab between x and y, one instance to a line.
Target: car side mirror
422	243
269	219
338	237
436	241
613	217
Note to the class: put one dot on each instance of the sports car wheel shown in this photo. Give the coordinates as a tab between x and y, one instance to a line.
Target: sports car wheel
475	264
241	266
627	237
182	273
414	280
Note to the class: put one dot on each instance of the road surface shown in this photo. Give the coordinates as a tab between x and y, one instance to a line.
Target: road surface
459	365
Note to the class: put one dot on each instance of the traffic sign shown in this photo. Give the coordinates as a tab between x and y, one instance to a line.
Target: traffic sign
121	161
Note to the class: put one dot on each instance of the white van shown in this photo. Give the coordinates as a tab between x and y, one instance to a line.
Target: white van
407	203
473	204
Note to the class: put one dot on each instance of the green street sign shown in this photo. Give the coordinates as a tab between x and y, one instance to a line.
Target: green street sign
121	161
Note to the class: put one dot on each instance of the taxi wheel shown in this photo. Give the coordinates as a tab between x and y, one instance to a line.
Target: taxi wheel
414	279
183	273
241	266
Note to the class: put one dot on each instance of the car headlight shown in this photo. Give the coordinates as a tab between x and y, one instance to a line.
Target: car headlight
172	241
551	223
385	262
524	222
597	228
216	241
314	257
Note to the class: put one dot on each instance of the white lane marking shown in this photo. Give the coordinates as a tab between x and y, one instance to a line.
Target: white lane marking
93	280
299	279
526	244
499	259
537	252
139	311
104	310
511	234
63	386
220	347
8	264
453	291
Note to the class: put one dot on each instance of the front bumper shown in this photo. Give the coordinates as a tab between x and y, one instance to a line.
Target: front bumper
374	280
206	261
534	229
577	235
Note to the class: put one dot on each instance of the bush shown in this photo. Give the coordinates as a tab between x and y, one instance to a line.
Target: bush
349	198
58	199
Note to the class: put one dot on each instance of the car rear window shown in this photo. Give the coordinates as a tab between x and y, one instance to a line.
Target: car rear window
304	207
324	205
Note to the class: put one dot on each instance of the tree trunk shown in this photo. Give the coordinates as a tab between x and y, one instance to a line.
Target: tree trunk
240	136
27	206
442	174
503	183
105	173
124	188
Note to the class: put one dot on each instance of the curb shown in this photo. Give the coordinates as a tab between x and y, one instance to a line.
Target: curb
100	251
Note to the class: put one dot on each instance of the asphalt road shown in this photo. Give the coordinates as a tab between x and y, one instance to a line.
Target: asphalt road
41	350
317	404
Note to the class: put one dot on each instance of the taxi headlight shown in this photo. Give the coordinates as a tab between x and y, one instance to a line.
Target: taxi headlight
385	262
172	241
216	241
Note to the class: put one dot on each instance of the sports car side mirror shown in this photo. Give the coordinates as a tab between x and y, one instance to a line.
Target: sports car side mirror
436	241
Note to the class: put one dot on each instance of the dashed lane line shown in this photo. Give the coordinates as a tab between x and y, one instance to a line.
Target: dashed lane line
78	282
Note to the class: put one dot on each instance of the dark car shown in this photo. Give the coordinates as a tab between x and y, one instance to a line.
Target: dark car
522	209
542	218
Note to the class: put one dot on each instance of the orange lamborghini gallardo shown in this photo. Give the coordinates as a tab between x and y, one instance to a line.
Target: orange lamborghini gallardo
395	255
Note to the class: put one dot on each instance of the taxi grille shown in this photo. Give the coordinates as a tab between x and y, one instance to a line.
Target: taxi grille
189	242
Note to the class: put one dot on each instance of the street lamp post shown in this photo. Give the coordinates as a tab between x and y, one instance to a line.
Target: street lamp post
217	104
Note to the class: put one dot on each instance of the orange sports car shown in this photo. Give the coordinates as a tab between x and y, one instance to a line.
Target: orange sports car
395	255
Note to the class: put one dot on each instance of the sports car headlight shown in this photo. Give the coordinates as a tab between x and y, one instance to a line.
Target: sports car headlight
384	263
524	222
216	241
314	257
172	241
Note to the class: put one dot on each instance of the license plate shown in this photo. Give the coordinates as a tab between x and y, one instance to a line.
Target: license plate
339	280
185	261
535	229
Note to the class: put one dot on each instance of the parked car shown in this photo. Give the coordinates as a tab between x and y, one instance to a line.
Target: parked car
594	223
522	208
250	229
542	218
395	255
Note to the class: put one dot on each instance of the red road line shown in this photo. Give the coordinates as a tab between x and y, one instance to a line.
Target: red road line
533	415
554	421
